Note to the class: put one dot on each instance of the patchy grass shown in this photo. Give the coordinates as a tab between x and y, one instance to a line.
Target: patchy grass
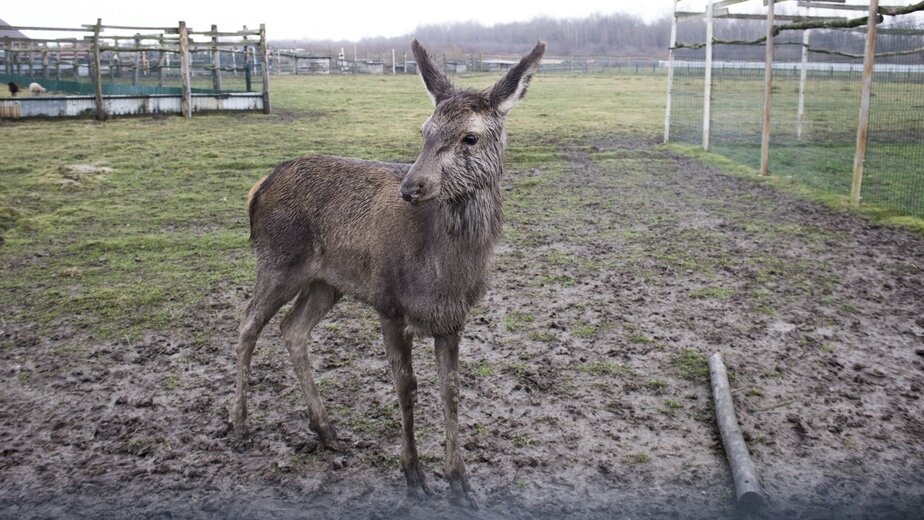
795	187
691	364
516	321
605	368
638	458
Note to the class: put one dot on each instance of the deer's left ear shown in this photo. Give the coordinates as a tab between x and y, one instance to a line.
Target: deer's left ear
507	92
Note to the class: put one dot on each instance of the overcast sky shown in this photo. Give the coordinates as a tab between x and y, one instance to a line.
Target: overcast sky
312	20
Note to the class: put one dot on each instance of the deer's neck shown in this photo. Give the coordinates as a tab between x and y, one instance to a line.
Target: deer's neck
474	221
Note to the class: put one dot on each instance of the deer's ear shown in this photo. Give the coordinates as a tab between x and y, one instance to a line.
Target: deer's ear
438	85
507	92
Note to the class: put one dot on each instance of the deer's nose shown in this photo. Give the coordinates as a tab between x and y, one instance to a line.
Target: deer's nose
411	193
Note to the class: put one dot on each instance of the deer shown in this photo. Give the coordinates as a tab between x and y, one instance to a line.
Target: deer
413	241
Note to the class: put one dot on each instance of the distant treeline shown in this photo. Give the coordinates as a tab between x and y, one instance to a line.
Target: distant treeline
599	35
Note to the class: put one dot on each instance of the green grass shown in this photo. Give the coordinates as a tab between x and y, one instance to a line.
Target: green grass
605	368
141	247
691	364
822	159
144	246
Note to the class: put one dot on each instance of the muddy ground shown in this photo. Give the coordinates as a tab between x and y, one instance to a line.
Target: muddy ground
585	388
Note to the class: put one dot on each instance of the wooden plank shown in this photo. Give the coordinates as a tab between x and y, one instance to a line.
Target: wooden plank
215	33
116	48
768	83
168	30
859	155
29	28
670	77
831	5
748	490
782	17
707	83
186	100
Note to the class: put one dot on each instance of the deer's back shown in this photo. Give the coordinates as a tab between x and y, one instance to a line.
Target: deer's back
339	220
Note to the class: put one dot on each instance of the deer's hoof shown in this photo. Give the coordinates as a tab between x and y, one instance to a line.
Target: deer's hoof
460	494
417	487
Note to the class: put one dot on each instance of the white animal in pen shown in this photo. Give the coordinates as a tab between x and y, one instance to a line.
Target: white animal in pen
36	89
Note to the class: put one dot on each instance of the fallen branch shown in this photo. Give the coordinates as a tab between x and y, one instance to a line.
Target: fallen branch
747	485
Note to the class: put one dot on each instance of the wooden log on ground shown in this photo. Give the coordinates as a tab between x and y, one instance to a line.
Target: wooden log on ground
748	491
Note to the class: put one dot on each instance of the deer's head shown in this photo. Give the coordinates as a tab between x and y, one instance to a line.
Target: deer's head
464	138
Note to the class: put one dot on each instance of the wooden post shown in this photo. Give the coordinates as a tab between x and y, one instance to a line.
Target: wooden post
233	62
670	74
216	60
186	102
768	81
247	64
859	156
161	63
264	66
137	71
45	62
707	83
800	121
58	63
97	72
748	490
394	68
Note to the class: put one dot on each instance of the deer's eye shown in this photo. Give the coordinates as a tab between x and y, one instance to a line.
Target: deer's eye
470	139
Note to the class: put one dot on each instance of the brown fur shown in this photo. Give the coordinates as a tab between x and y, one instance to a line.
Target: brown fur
413	241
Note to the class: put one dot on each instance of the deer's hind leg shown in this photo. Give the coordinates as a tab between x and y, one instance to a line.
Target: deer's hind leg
272	290
312	304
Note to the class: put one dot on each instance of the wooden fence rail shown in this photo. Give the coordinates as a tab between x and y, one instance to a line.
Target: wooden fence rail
95	49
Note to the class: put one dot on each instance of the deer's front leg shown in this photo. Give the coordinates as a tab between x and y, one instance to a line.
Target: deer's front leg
447	357
398	346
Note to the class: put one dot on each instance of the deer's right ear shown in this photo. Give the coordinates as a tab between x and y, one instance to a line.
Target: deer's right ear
438	85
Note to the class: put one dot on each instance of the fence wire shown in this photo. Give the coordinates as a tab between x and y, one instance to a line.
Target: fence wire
818	152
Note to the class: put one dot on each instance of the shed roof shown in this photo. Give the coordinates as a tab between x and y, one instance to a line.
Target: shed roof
10	33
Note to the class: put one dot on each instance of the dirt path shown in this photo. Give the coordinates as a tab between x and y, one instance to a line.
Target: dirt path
585	385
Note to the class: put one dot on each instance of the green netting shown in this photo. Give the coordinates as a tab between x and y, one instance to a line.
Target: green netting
109	89
819	154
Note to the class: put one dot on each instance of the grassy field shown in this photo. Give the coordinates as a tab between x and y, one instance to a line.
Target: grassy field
131	246
623	265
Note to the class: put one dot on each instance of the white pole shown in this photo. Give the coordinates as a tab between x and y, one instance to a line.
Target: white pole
393	66
707	89
670	75
802	78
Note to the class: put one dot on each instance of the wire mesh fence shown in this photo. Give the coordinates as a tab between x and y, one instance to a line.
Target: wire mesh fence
813	120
